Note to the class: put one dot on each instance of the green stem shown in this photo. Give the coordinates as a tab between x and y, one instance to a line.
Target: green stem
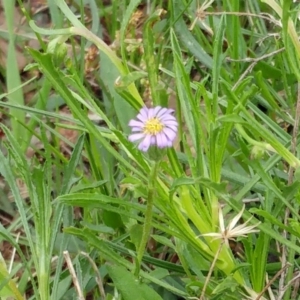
251	141
148	218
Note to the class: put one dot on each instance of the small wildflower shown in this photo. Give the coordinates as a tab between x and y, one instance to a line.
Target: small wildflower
232	231
201	15
154	127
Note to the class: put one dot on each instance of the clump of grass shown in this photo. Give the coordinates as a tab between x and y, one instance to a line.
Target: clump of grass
214	215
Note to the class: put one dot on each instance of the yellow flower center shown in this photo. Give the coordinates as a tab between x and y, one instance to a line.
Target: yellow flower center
153	126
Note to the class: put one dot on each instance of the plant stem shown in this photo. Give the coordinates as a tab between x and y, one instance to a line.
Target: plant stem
210	271
148	218
289	256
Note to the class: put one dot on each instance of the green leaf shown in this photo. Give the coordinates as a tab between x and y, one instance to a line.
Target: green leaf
268	71
229	283
220	187
186	36
136	233
124	111
112	219
70	168
265	89
68	181
129	286
150	58
217	65
124	81
98	228
260	257
273	220
10	288
13	75
7	173
130	9
95	200
183	89
231	118
164	241
190	258
159	273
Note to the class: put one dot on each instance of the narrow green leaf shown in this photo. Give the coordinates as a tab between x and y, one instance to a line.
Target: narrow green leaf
70	168
129	287
12	74
124	81
109	75
10	289
164	241
220	187
185	35
183	88
7	172
136	233
217	66
150	59
125	20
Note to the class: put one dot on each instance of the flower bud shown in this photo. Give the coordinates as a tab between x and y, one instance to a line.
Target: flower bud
58	48
257	152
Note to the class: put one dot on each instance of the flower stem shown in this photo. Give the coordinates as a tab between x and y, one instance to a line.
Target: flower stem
210	271
148	218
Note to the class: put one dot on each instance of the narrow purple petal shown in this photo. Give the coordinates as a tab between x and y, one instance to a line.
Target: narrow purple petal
136	129
150	113
153	140
170	111
161	112
134	123
165	118
159	140
136	136
144	112
169	143
141	118
162	140
170	134
171	122
156	110
174	128
145	143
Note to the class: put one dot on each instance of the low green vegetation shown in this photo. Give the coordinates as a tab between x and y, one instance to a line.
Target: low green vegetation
149	150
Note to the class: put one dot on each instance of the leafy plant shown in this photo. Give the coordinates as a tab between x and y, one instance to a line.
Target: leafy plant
212	215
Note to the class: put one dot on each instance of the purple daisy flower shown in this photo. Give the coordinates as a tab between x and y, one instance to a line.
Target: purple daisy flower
154	127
